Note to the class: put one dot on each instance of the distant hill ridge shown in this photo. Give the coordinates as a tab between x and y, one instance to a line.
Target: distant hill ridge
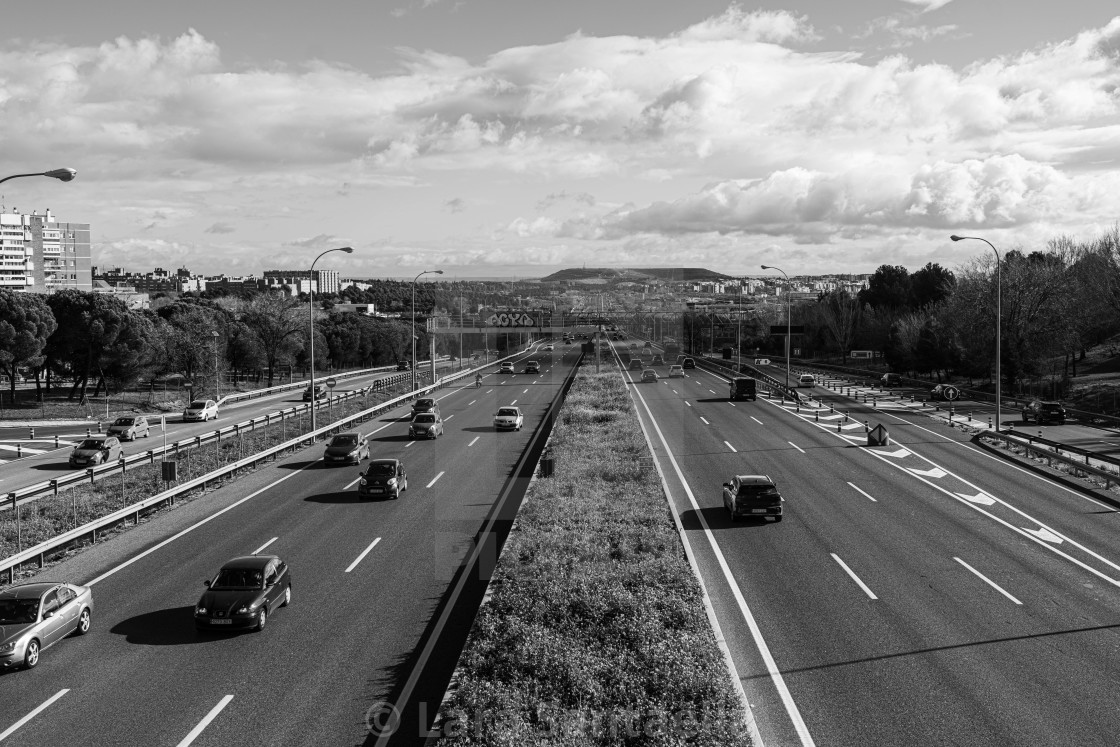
613	274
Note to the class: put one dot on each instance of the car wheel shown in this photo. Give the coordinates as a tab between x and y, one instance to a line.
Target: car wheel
777	519
85	619
733	516
263	619
31	658
287	596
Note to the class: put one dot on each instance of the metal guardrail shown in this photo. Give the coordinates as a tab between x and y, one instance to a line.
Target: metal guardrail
1051	451
39	552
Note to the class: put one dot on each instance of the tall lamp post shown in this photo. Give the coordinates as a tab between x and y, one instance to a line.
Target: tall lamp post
999	323
217	371
789	296
64	175
311	312
739	332
413	366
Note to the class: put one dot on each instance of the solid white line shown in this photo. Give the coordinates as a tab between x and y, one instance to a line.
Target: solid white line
854	576
861	491
473	440
360	557
12	729
791	443
756	420
356	480
688	403
266	544
732	447
705	420
987	580
206	721
196	525
433	482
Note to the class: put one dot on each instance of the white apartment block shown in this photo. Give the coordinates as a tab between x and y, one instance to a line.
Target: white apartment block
40	255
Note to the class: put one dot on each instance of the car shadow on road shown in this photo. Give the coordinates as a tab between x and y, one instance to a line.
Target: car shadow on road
478	429
298	465
57	467
168	627
718	518
340	496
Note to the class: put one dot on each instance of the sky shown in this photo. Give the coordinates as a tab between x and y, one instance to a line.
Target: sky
512	138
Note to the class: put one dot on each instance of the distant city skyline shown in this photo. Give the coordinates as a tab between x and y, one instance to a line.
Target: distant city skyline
502	139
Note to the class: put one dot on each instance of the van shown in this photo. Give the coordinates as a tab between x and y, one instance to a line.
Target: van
742	387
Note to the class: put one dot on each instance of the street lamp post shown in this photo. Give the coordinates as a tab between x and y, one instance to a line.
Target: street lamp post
311	313
64	175
788	316
413	365
739	332
217	371
999	323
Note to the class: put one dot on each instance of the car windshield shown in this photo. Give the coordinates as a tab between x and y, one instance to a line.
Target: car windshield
425	418
422	403
1052	407
507	412
238	578
91	443
18	611
381	470
124	421
344	441
197	405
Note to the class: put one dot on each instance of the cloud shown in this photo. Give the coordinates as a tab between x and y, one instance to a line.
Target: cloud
553	198
220	228
323	240
928	5
456	205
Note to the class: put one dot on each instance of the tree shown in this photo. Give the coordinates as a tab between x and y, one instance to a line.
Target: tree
26	321
889	288
278	326
840	313
930	285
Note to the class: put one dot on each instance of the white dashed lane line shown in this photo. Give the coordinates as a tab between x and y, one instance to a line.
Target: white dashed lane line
433	482
861	492
732	448
361	556
189	739
756	420
473	440
704	420
266	544
854	577
987	580
39	709
791	443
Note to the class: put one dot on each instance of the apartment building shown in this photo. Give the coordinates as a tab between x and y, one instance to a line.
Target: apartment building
39	254
324	281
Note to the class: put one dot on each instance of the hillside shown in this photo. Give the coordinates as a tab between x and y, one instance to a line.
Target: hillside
609	274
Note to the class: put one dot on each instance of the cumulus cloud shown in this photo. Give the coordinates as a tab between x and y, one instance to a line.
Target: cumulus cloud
220	227
928	5
321	241
553	198
456	205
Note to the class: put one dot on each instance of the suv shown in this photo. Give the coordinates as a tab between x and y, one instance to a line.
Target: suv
404	365
1041	411
752	495
533	367
891	379
130	428
319	393
425	404
383	477
506	367
742	387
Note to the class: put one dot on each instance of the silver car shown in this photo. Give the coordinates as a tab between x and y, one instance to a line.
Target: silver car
95	450
34	617
130	428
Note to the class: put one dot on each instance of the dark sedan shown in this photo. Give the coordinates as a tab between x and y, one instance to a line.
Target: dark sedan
243	594
346	448
34	617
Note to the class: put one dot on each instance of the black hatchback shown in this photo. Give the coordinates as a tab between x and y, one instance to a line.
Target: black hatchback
1044	412
244	593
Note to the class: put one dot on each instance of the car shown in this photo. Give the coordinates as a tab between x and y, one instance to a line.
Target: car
35	616
506	367
658	360
201	410
945	392
95	450
806	380
319	393
130	428
425	404
549	347
404	365
752	496
426	425
762	361
1042	411
509	418
890	379
635	364
346	448
688	363
649	375
743	387
383	477
533	367
675	371
244	592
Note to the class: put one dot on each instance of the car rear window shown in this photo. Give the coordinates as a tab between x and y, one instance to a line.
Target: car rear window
197	405
507	411
123	421
1052	408
757	490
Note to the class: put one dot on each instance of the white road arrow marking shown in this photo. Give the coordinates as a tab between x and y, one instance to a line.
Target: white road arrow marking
1044	534
983	500
935	472
897	454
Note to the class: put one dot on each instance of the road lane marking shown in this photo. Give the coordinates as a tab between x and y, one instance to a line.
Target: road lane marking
861	491
705	420
12	729
356	481
525	391
364	553
471	402
514	402
410	443
853	575
197	524
731	403
688	403
433	482
791	443
732	448
756	420
449	417
987	580
266	544
205	721
473	440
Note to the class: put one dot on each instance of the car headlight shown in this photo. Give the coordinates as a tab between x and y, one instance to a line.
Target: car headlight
248	608
200	610
363	481
7	647
353	453
392	481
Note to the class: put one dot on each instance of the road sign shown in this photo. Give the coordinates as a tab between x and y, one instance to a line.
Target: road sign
780	329
331	383
510	319
860	354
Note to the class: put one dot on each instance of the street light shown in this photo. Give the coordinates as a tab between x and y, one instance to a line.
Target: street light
413	366
217	371
739	332
789	296
999	322
64	175
311	315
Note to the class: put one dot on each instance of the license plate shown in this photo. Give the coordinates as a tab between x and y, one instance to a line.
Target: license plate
377	490
221	622
759	510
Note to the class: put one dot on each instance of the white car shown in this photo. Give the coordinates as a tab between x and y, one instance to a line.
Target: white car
509	418
201	409
807	380
506	367
549	347
676	371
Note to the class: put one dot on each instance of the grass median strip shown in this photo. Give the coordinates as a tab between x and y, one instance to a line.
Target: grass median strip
595	631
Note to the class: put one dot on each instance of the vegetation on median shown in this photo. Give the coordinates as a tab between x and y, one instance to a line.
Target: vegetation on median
595	632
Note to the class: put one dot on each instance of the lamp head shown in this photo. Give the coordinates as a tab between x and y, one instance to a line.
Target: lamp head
61	174
954	237
347	249
766	267
438	272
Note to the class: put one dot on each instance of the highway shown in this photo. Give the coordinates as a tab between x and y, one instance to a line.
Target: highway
925	592
369	581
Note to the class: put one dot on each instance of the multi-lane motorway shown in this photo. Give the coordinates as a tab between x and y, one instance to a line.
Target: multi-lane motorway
925	592
369	580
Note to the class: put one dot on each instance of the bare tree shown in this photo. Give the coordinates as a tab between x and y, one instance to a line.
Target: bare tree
276	320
